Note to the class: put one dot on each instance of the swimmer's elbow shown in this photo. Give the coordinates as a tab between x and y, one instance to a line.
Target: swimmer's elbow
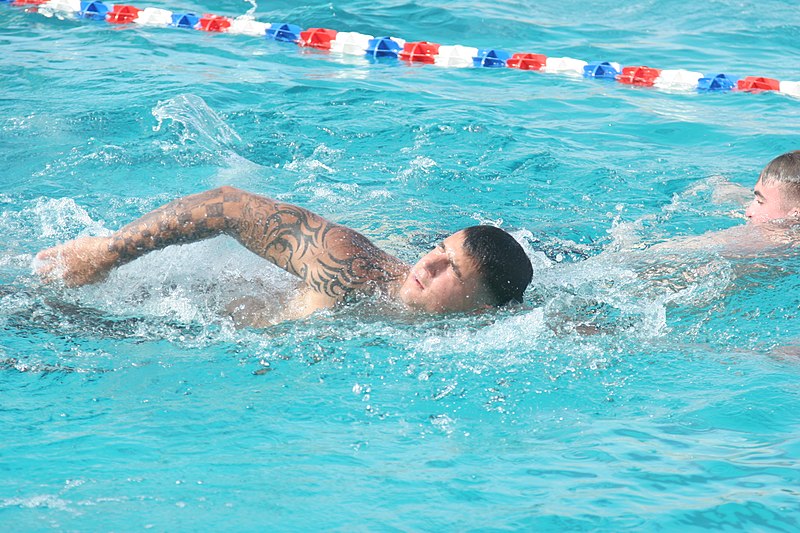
228	191
231	195
234	208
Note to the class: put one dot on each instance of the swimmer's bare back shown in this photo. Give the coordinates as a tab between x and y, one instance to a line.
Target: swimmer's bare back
334	262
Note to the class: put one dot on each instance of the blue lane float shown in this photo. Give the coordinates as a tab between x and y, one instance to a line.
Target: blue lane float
604	70
289	33
716	82
491	58
93	11
383	47
188	21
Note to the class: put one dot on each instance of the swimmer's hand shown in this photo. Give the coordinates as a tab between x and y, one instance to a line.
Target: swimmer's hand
78	262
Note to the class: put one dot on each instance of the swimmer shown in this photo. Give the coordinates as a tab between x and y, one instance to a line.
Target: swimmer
773	215
475	268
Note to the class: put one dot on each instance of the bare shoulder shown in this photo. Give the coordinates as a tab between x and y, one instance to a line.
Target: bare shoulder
347	261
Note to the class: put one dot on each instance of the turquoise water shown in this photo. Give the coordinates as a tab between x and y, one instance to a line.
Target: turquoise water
636	390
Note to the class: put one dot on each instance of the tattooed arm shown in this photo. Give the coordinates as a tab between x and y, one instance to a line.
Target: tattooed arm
331	259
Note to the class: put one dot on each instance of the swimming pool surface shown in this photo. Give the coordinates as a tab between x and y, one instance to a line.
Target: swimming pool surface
636	390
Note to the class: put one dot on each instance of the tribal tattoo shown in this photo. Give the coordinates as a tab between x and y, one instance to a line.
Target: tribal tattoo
331	259
185	220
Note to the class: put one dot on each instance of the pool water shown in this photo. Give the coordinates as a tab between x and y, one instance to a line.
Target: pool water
636	388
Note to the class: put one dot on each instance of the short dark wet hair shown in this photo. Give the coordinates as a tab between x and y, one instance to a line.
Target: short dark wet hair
500	261
785	169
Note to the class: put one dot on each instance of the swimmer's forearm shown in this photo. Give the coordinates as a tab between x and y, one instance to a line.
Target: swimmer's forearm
333	260
279	232
287	235
188	219
276	231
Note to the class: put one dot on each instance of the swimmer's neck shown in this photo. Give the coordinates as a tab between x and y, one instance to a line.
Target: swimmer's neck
308	300
392	288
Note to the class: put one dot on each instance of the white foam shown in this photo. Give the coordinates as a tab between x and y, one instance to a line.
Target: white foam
514	334
201	123
192	283
62	218
46	501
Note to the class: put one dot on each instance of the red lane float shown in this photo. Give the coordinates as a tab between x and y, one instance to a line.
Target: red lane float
527	61
421	51
641	76
756	84
122	14
317	38
214	23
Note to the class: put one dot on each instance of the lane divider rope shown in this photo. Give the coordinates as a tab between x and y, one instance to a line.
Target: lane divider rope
376	48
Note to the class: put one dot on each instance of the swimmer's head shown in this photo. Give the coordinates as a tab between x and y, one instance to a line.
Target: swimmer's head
777	192
503	264
479	266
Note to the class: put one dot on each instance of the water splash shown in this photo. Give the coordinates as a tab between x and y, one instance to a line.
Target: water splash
201	127
514	334
63	218
201	124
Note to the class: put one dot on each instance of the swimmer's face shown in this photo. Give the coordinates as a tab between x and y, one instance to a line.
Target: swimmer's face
445	280
769	204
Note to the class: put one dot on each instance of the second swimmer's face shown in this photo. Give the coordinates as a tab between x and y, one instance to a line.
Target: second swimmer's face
445	280
769	204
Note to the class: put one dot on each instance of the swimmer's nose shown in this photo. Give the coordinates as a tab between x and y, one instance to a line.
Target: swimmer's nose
433	263
748	213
